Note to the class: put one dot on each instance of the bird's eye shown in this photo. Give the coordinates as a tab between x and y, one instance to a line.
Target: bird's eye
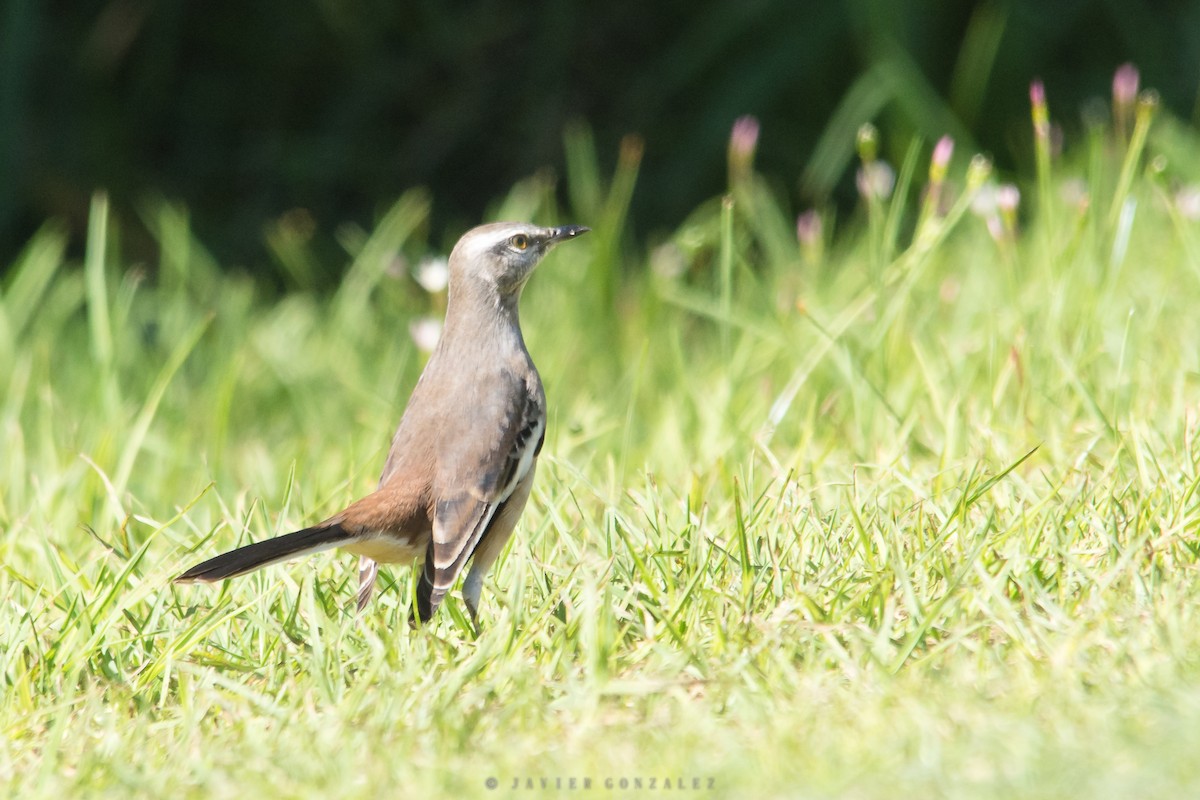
520	241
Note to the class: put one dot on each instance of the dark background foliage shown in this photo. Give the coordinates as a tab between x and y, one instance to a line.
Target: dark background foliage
244	111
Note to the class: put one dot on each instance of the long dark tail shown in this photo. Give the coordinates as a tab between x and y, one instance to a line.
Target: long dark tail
261	554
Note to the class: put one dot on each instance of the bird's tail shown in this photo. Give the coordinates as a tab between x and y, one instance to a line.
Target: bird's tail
261	554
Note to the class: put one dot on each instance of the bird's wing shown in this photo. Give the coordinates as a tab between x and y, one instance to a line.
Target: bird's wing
479	470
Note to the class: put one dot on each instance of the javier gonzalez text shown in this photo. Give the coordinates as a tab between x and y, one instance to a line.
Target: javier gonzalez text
648	783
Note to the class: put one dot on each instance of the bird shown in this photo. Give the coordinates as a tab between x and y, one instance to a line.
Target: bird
462	461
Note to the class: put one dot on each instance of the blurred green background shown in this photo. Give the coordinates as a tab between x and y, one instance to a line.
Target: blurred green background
327	110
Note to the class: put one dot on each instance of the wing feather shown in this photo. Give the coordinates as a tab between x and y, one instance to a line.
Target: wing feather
479	480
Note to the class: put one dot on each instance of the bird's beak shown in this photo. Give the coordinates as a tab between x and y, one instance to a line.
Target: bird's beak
565	232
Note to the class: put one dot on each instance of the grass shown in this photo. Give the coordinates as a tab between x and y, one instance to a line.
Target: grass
915	515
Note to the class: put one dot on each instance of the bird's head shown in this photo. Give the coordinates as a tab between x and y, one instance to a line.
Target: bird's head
501	256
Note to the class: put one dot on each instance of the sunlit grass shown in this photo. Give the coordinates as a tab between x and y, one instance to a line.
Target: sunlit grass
913	511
